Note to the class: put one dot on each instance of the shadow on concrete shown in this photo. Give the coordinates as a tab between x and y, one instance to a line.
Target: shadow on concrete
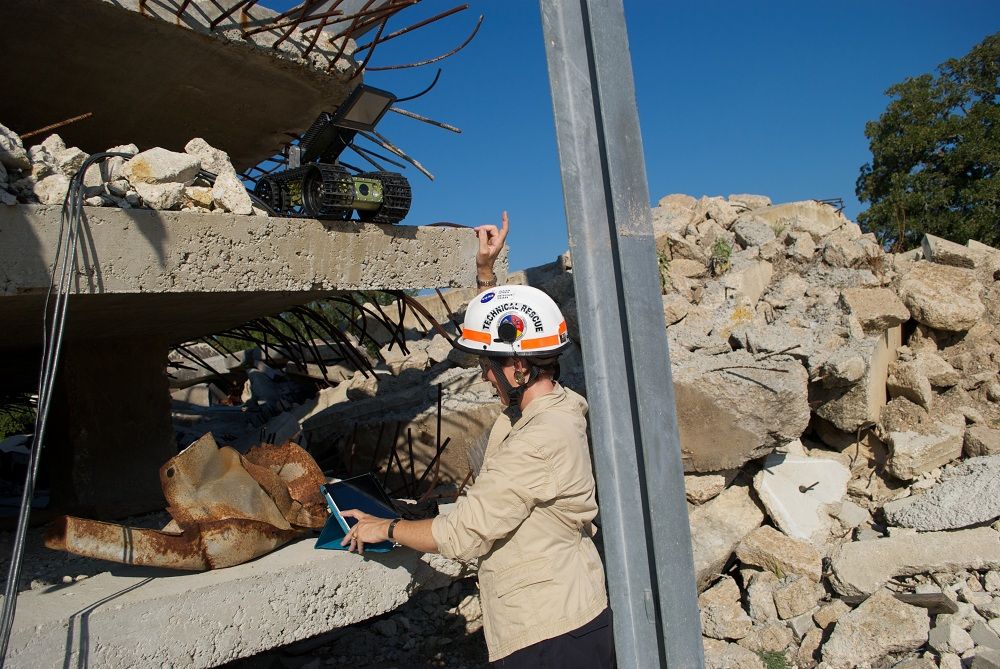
80	644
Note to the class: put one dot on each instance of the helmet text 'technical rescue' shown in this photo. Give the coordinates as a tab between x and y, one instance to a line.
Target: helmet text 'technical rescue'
536	320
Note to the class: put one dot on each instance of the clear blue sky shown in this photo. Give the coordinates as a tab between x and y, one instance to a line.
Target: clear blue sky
734	97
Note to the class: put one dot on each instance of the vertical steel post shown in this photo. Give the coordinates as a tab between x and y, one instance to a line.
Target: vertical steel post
633	420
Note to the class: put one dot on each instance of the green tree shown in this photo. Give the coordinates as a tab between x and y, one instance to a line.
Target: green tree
936	153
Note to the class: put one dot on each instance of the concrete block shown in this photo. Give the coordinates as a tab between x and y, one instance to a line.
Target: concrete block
878	309
861	404
798	492
718	526
817	219
968	494
913	454
880	626
942	297
725	420
173	273
944	252
861	567
133	617
769	549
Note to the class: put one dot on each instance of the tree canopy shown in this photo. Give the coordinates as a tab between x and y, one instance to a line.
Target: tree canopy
936	153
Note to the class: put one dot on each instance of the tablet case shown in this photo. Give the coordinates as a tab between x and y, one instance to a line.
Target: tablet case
364	493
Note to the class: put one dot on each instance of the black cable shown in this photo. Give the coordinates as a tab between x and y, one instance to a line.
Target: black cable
70	228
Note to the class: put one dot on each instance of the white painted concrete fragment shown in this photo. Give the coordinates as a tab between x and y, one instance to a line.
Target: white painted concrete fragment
797	492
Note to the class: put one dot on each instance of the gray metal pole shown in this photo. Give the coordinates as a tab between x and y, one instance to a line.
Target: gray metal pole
633	420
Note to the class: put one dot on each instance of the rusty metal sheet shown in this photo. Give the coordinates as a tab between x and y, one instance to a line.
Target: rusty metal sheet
303	477
226	509
204	482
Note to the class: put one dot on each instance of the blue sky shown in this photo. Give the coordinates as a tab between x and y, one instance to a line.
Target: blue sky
767	97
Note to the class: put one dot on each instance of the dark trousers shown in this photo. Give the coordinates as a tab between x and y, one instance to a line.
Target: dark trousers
591	646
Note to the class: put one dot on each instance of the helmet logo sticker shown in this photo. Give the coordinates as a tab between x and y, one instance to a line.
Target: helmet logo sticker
510	328
487	297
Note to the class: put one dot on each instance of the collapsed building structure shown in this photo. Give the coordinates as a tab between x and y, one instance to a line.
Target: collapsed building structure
165	256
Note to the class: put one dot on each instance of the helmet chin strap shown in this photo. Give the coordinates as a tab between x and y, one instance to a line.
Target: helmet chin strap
513	393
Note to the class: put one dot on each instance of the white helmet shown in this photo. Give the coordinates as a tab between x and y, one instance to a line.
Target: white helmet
513	321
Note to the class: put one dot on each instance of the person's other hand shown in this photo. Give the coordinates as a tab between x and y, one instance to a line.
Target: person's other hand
491	241
368	530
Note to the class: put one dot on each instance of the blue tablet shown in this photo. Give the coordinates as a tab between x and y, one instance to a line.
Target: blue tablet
364	493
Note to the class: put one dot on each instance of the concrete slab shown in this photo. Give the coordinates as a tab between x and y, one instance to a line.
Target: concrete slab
132	617
156	79
184	274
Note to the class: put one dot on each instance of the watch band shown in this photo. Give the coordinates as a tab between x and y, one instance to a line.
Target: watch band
486	284
392	527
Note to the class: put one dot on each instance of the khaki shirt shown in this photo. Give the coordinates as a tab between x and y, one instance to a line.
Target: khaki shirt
528	517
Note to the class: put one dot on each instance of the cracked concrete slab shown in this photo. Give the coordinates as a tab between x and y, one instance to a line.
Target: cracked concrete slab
134	617
183	274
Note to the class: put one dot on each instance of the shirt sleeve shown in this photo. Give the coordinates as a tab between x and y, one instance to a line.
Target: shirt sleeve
511	484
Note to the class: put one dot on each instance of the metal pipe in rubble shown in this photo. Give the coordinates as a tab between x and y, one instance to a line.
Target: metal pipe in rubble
633	418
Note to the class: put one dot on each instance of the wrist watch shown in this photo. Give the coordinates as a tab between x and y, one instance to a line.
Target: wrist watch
487	284
392	526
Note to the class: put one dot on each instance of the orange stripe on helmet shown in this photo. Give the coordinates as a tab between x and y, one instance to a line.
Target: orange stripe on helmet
476	335
539	342
562	328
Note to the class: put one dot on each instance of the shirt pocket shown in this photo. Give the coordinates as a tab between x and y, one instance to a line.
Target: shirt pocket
519	576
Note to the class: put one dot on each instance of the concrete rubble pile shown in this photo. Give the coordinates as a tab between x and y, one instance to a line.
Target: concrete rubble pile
840	431
155	178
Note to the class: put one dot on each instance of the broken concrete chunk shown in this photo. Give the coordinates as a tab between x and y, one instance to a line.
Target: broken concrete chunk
746	282
862	403
12	153
699	488
944	252
724	655
810	216
878	309
881	625
798	493
950	638
907	379
862	567
159	166
938	372
830	613
769	549
808	652
760	595
751	230
52	189
722	616
843	367
796	597
198	196
749	201
69	161
800	245
716	209
942	297
986	659
968	494
773	637
162	196
675	307
718	526
212	159
732	408
229	194
981	440
913	454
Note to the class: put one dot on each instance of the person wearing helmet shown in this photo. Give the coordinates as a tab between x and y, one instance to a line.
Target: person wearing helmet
528	515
